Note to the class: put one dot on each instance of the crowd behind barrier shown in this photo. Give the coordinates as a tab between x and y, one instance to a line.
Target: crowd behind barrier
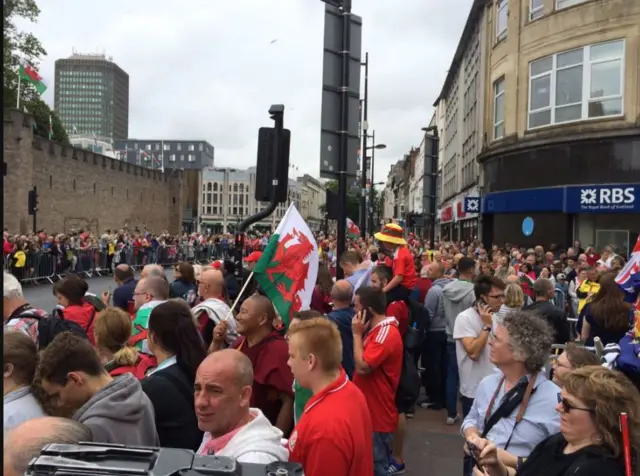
47	266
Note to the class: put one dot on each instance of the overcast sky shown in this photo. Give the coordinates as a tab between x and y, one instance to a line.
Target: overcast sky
207	69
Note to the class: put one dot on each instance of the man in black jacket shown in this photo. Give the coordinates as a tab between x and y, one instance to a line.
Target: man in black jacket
544	291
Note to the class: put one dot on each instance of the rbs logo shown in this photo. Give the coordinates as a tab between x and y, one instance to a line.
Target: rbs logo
606	197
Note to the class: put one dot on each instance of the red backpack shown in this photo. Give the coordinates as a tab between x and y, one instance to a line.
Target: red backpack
144	364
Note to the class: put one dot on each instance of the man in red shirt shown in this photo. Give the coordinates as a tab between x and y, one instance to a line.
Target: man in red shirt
404	267
334	433
268	352
378	364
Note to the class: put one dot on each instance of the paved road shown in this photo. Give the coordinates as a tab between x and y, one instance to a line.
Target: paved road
40	295
431	449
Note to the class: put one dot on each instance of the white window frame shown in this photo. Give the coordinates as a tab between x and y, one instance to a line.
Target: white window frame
586	85
172	158
562	4
501	5
536	12
496	95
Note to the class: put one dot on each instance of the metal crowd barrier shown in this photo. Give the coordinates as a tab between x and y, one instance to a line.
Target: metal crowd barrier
44	266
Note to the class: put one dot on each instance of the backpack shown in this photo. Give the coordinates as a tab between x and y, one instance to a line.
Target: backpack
49	326
419	323
409	384
140	369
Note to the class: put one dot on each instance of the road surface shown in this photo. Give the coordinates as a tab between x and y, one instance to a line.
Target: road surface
431	449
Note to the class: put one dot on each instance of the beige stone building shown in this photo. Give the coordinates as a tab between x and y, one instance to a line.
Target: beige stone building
561	139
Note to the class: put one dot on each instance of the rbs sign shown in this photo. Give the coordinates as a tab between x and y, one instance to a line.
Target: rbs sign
602	199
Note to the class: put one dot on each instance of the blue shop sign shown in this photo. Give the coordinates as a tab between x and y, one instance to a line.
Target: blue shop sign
615	198
603	199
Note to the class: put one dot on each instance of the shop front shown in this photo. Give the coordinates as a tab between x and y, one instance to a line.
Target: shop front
598	215
447	224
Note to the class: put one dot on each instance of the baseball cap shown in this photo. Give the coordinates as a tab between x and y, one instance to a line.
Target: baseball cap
253	257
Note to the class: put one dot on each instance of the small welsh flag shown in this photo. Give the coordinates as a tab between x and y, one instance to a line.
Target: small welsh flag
29	74
288	268
353	231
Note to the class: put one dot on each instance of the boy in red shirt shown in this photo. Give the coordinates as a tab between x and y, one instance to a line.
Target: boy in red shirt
333	436
404	267
378	363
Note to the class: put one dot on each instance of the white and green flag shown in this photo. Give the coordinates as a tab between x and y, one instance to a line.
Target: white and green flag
288	268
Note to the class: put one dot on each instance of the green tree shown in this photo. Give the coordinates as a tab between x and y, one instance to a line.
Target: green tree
353	200
24	45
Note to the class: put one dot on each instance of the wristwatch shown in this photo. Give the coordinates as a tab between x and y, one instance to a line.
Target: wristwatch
486	328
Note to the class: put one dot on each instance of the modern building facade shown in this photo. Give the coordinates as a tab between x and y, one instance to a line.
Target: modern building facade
227	198
173	154
92	97
562	127
461	103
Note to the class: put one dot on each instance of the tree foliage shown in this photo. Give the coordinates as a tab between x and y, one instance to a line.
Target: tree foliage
19	45
353	200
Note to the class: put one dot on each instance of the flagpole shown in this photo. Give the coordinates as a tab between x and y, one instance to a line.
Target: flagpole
244	288
50	127
162	155
18	100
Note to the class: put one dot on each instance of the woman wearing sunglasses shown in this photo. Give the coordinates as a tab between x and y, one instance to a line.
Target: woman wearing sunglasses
590	440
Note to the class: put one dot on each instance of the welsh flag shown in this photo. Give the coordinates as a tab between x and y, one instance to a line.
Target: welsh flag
288	268
353	231
29	74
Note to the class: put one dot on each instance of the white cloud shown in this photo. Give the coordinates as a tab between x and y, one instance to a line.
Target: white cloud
208	68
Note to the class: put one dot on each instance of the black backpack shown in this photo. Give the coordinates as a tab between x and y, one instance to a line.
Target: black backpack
418	325
409	384
49	326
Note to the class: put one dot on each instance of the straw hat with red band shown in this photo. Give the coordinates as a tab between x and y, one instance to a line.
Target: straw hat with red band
391	233
253	257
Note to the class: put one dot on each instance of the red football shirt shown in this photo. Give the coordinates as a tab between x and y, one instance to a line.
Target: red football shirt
400	311
333	436
271	374
383	353
404	266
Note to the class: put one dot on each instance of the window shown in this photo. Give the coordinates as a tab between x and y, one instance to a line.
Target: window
191	147
192	157
578	84
172	158
182	157
536	9
148	147
167	146
498	109
157	146
560	4
200	146
179	147
502	17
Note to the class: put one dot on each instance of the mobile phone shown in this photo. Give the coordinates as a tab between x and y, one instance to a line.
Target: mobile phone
475	454
478	303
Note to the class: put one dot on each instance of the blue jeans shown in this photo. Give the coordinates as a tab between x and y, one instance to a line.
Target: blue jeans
381	453
452	380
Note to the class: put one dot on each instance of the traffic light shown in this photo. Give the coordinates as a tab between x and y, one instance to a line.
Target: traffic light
33	201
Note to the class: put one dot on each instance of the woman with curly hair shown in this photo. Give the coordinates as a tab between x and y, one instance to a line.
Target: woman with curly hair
590	440
519	347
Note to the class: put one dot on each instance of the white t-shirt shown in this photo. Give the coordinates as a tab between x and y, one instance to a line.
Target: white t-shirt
471	372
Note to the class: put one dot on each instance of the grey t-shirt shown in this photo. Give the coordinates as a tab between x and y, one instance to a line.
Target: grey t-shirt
471	372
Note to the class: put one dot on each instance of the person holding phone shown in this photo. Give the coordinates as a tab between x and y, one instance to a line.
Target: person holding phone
471	332
378	364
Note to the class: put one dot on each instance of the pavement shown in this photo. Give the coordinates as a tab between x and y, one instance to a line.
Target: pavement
432	448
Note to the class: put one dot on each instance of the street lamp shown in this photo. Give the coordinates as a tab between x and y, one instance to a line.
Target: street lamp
373	148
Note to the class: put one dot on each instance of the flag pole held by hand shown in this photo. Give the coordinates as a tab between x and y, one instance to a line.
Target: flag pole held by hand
235	303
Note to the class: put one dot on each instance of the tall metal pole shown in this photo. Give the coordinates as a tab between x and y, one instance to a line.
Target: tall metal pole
363	178
373	158
344	132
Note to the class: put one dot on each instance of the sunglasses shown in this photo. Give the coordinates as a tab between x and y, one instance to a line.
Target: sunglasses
568	406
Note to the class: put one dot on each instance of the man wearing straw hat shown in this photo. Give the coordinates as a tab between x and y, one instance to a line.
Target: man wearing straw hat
405	277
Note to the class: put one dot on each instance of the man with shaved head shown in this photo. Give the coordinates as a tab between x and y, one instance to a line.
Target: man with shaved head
154	270
342	315
268	353
149	293
223	393
213	309
26	441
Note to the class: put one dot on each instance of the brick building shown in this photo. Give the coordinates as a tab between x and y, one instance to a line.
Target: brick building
79	189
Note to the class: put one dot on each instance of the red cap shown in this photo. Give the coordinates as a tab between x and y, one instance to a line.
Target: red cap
253	257
216	265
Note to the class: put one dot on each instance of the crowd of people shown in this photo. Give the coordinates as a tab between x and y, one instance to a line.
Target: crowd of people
450	327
